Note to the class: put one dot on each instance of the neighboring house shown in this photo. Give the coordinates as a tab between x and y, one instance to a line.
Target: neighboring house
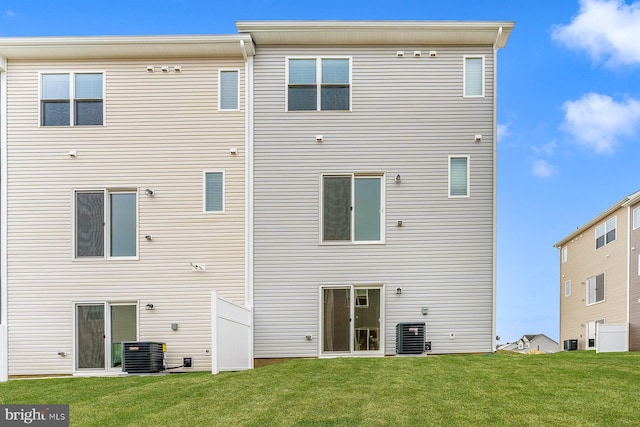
374	185
532	343
599	276
339	182
120	179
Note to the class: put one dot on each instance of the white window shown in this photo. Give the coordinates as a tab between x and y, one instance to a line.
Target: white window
636	218
229	90
564	254
72	99
567	288
606	233
458	176
106	224
352	208
474	76
595	289
214	191
318	84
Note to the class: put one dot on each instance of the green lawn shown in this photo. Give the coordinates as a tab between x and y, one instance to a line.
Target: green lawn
571	389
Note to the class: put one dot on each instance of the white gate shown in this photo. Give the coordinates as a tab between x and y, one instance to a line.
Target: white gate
231	335
612	337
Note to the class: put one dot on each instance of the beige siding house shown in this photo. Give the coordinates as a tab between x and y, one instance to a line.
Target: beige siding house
123	196
374	185
599	279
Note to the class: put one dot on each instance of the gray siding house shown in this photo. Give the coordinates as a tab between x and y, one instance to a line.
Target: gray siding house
374	185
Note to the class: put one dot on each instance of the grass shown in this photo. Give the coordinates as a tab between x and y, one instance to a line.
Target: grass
571	389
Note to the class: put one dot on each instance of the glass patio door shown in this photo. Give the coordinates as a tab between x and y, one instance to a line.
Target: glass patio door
100	331
351	319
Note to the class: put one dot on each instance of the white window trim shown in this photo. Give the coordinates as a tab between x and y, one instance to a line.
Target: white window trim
604	298
354	175
464	76
220	71
106	227
204	191
318	83
453	156
565	254
604	224
72	90
567	288
636	224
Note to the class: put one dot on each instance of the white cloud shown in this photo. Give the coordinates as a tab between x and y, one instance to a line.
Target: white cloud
607	29
503	130
9	13
546	149
597	121
544	169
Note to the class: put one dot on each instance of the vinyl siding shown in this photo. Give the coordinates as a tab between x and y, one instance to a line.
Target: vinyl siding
408	115
585	261
162	130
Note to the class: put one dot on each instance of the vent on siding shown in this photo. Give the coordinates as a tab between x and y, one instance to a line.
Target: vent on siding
410	338
143	357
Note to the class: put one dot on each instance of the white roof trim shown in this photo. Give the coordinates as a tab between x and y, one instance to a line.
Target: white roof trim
378	32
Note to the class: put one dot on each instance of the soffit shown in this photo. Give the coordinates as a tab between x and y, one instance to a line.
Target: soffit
377	32
124	47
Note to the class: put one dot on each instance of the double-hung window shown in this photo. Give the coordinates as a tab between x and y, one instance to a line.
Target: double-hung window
352	208
565	253
595	289
214	191
606	233
72	99
106	224
229	90
473	76
458	176
319	84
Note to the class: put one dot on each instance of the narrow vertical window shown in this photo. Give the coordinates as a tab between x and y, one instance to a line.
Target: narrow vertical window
90	224
458	176
88	99
367	202
595	289
336	208
567	288
474	76
636	218
564	254
229	90
122	221
55	105
214	191
302	93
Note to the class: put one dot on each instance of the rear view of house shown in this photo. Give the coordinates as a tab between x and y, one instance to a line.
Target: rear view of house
124	177
600	280
374	185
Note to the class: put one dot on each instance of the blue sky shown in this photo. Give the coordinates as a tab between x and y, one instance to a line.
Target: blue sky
568	108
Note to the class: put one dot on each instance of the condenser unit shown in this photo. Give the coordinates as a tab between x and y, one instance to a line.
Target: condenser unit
142	357
569	345
410	338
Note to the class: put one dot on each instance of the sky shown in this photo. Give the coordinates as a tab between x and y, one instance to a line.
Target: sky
568	108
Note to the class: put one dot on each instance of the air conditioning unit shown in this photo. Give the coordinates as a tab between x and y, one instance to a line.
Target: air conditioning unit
570	345
410	338
143	357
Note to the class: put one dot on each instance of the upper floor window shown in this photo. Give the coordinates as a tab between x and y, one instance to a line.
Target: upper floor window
636	218
352	208
319	84
72	99
606	233
106	224
214	191
458	176
474	76
565	251
567	288
229	90
595	289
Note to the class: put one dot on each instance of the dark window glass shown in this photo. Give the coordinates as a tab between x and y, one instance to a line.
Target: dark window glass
55	113
336	206
303	98
88	113
90	224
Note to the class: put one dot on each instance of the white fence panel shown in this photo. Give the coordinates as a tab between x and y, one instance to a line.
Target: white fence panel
232	335
612	337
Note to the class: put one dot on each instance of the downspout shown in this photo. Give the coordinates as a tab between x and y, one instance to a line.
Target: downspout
495	186
4	350
248	182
